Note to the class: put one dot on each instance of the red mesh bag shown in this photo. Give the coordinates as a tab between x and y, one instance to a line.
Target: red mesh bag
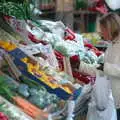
3	117
99	6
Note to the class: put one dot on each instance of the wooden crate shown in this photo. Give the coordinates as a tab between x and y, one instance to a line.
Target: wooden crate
81	118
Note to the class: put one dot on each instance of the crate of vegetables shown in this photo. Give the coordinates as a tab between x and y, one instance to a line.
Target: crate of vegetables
32	70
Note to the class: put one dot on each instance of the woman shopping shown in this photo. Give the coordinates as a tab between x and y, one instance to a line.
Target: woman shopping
110	30
102	104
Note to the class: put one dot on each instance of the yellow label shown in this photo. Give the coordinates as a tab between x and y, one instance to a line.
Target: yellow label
7	45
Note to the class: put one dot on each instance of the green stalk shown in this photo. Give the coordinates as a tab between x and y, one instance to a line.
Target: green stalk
27	11
9	94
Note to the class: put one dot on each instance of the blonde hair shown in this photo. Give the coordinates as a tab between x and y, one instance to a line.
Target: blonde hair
111	22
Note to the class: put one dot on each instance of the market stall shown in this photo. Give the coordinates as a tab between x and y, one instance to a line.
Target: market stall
37	58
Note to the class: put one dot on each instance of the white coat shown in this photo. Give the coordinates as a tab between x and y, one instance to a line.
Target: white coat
101	106
112	69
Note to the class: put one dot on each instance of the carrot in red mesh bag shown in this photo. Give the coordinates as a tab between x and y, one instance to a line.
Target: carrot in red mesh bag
86	79
33	39
69	34
98	5
75	62
94	49
59	57
3	117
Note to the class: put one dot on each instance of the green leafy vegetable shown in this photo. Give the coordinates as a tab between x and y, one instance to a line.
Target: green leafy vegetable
5	89
16	9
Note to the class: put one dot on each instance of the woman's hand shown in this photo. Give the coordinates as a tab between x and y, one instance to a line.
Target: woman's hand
101	67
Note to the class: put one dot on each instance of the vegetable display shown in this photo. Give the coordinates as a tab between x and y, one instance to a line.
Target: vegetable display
29	89
12	111
40	88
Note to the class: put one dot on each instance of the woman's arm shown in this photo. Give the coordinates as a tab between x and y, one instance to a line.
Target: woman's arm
112	69
87	68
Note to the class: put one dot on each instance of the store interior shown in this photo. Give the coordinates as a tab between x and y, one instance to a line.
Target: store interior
41	43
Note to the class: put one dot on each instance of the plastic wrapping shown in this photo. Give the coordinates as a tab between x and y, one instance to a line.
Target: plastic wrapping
92	57
23	90
61	77
46	56
36	31
12	111
54	27
6	36
70	48
102	105
74	108
42	98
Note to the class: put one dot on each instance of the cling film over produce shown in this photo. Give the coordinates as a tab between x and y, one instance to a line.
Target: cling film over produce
34	69
49	80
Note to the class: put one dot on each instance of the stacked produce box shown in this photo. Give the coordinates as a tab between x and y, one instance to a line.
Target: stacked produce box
36	75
